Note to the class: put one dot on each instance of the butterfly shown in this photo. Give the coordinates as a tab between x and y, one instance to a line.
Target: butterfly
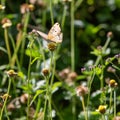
54	35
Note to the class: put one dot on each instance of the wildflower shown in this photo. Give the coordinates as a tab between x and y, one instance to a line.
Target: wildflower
102	109
83	69
11	73
70	78
72	75
5	96
11	107
6	22
26	8
45	72
109	34
2	7
52	46
111	69
81	90
117	56
116	118
64	73
113	83
24	98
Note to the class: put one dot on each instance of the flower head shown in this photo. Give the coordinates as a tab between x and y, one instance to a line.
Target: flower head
6	22
102	109
116	118
11	73
5	96
81	90
26	8
113	83
52	46
2	7
45	72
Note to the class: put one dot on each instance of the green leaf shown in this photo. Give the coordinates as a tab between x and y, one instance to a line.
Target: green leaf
33	53
56	85
35	60
3	49
38	92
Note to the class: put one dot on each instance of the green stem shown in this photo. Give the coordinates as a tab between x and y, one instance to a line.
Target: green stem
44	18
110	102
103	51
7	43
46	96
58	112
64	16
28	84
83	105
5	102
38	108
114	103
23	39
72	38
89	86
51	12
15	53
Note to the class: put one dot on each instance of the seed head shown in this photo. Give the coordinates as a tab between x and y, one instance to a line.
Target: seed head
52	46
19	26
109	34
45	72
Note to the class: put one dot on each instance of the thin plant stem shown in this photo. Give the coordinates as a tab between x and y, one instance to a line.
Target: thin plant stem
6	113
38	107
114	103
73	55
44	18
72	38
13	44
5	102
51	13
24	33
103	117
42	51
64	16
110	102
7	43
84	109
77	4
89	86
58	112
46	96
103	50
28	81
